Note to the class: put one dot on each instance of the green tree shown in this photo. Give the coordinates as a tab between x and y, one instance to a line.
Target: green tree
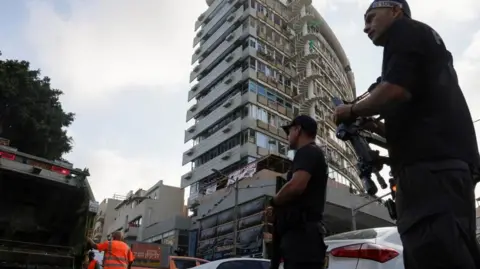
31	115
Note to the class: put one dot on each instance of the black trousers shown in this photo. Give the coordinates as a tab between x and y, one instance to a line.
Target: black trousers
436	216
304	248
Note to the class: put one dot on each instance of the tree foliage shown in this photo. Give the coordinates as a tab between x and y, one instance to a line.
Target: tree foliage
31	115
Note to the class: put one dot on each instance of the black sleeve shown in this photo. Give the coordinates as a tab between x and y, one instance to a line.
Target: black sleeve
402	56
309	159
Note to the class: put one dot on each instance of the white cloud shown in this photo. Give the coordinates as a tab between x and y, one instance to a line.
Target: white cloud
441	10
117	172
105	45
446	11
98	51
102	47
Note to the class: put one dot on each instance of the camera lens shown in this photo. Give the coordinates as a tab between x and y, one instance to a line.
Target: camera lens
369	186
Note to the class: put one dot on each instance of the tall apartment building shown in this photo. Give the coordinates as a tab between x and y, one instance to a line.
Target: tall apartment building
144	208
257	64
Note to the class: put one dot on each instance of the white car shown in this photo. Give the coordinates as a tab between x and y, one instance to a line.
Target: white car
236	263
377	248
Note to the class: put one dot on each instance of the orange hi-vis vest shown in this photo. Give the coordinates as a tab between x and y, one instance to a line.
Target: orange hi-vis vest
117	254
91	264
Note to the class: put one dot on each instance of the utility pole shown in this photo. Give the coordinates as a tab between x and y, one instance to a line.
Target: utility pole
235	210
355	209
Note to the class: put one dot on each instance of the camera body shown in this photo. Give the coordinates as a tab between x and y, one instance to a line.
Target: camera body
368	161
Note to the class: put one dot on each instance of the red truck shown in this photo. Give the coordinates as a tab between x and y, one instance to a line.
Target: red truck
157	256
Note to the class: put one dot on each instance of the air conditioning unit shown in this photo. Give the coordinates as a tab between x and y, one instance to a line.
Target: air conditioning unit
229	80
230	37
190	152
194	88
200	33
231	18
191	129
227	129
228	103
189	176
196	68
193	108
229	58
226	156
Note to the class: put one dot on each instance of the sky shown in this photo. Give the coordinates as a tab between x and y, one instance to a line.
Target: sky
124	65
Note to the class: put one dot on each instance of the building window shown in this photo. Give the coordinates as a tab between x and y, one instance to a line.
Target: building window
261	90
282	148
262	140
219	149
252	43
136	222
194	188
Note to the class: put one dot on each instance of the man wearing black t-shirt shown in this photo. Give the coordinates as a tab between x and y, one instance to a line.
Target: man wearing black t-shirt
299	205
431	138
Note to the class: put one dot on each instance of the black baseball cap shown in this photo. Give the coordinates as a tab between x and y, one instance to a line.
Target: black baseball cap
306	123
402	4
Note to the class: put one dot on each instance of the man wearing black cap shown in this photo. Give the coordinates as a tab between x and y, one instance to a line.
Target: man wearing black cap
431	138
301	200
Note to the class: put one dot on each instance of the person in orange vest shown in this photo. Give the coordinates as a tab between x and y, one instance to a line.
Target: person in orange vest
117	254
92	263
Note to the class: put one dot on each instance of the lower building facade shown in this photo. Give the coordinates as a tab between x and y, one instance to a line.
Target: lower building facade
173	231
215	214
145	208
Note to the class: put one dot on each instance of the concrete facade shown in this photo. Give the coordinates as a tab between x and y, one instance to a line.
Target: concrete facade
257	64
146	207
337	211
105	217
172	231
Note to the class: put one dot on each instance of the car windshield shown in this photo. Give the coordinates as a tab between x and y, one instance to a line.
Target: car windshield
185	263
360	234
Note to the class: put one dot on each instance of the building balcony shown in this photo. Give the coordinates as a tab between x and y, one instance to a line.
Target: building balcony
208	39
206	16
224	11
220	162
227	107
206	55
213	75
131	231
194	200
224	86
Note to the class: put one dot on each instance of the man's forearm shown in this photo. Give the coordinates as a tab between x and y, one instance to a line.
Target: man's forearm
383	98
284	195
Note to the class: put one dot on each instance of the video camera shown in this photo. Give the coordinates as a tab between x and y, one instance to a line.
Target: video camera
369	161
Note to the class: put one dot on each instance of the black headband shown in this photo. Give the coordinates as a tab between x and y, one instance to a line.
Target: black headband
383	4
